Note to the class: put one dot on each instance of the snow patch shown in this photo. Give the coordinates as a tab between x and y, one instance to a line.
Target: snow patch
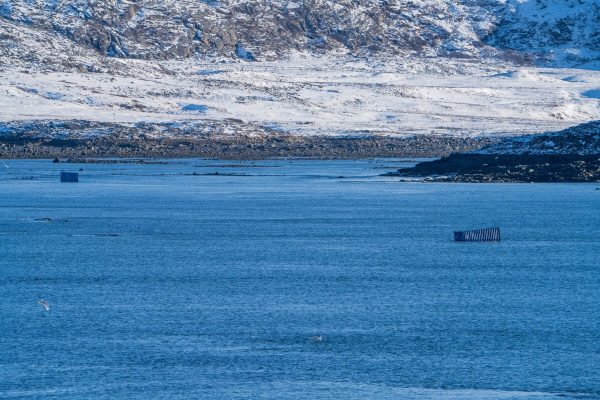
195	107
592	94
208	72
54	96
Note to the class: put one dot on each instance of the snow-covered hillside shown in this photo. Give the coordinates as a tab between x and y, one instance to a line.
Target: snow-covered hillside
307	96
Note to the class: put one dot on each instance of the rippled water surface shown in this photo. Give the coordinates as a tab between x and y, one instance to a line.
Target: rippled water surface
169	281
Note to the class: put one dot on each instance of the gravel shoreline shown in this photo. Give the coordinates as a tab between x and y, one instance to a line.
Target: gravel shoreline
241	147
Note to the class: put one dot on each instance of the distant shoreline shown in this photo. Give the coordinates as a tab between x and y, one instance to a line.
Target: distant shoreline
242	147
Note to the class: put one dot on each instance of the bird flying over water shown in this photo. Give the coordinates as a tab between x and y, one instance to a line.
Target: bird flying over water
317	339
44	304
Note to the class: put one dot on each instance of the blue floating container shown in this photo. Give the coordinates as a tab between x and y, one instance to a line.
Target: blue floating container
69	177
479	235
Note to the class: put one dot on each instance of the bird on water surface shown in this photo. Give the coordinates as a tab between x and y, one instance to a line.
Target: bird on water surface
44	304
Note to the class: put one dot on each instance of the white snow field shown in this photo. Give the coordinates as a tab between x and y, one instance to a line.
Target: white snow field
314	95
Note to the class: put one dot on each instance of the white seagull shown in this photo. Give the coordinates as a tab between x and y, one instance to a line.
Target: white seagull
317	339
44	304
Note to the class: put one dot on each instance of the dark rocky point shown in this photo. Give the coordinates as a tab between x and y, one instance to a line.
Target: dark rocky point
572	155
508	168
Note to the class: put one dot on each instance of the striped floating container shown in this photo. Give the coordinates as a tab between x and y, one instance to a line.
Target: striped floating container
479	235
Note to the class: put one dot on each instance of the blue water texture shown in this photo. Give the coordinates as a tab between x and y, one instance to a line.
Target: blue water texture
203	279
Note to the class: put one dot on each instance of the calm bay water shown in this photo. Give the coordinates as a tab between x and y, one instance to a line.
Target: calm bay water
168	285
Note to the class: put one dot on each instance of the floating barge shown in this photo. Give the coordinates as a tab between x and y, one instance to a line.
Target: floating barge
69	177
479	235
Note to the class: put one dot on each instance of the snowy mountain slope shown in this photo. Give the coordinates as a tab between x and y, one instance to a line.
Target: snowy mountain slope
553	32
158	29
561	30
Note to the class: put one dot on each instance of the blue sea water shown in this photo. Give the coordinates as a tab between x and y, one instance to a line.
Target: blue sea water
168	283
